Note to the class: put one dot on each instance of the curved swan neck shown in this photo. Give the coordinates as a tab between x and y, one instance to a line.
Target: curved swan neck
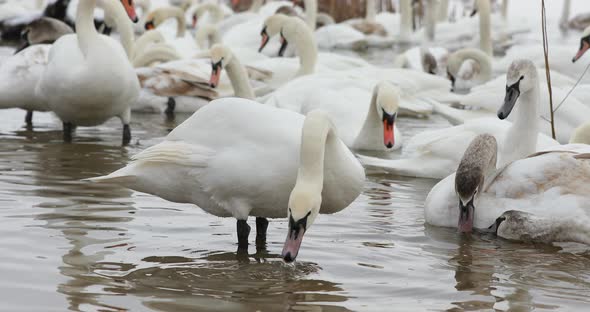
505	10
370	136
311	12
85	30
165	13
149	37
114	10
371	11
239	79
485	63
207	33
305	45
406	18
213	9
485	26
318	133
155	53
442	11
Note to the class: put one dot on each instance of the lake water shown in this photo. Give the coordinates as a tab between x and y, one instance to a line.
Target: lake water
67	245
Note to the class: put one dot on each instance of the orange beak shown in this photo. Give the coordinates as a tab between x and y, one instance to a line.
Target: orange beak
584	46
235	2
128	5
388	130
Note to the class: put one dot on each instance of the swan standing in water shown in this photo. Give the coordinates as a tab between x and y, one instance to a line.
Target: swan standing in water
439	151
281	164
478	194
89	78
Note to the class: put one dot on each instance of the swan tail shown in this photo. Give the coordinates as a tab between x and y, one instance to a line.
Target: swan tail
120	177
175	152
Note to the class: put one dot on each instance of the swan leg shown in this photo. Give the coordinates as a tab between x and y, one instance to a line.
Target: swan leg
243	233
29	119
68	128
261	227
170	107
126	134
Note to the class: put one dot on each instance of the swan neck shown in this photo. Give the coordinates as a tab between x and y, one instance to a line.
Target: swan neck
311	13
521	138
371	11
317	134
155	53
442	11
85	30
482	59
149	37
485	26
114	9
371	131
431	19
306	50
505	10
239	79
207	33
565	12
406	18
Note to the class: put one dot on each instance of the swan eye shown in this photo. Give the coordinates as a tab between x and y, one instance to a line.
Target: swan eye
521	77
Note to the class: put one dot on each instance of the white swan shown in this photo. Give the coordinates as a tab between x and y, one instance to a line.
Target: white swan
278	165
294	31
478	194
172	23
486	99
95	80
465	77
439	151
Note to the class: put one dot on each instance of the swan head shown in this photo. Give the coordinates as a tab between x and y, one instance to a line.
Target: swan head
520	78
387	99
160	15
130	9
272	26
584	44
513	224
478	160
304	207
220	57
291	30
458	61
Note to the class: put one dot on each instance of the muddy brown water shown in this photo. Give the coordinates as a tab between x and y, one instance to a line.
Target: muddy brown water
68	245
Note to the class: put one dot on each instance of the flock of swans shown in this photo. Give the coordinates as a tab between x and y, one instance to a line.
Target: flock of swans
273	137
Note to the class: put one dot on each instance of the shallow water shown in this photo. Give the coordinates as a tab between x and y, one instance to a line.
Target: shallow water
69	245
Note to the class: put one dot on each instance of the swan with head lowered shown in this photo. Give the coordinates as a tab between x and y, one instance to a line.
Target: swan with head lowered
478	194
279	165
438	152
88	78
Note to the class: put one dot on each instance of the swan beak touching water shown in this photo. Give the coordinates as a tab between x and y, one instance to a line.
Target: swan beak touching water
303	209
478	162
452	79
130	9
264	40
215	73
584	44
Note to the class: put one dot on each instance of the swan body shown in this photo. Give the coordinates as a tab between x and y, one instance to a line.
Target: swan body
534	185
96	81
260	173
438	152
